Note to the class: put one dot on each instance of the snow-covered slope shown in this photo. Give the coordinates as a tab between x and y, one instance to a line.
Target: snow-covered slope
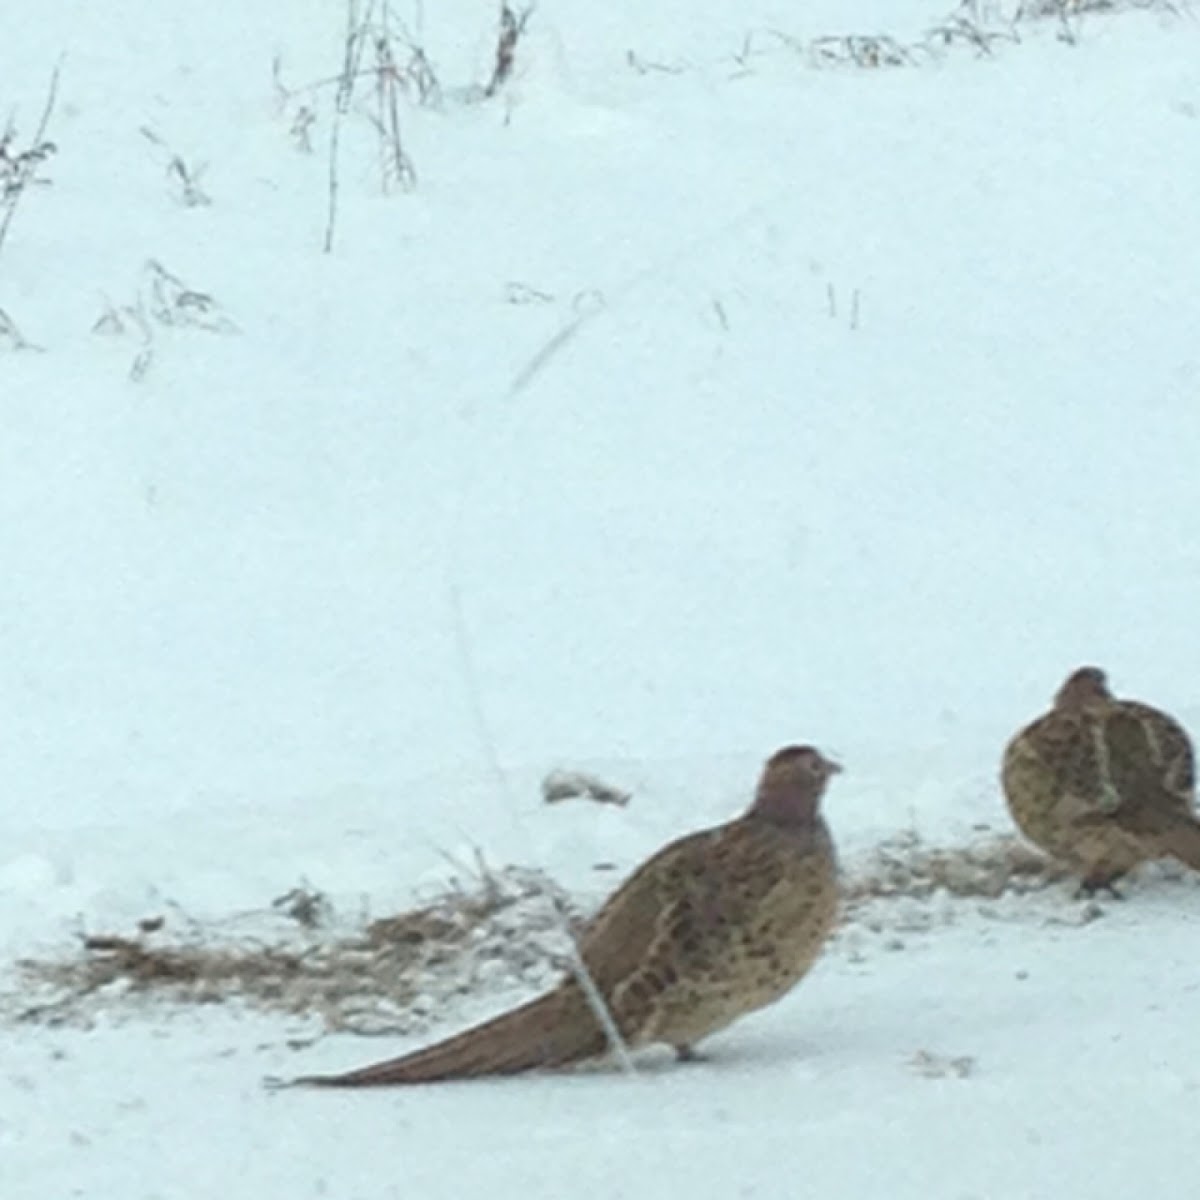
707	393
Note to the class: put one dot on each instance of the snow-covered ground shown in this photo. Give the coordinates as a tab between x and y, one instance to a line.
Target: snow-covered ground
705	394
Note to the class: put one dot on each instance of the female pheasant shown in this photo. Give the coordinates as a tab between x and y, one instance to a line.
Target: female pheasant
715	925
1103	784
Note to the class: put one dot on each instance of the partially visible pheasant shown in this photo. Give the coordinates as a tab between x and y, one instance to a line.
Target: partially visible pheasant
715	925
1103	784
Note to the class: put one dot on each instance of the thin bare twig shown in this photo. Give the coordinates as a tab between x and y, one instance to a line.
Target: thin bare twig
28	163
185	178
11	338
395	167
352	58
511	28
469	675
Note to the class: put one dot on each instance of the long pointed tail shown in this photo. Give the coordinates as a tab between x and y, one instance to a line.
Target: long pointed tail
554	1030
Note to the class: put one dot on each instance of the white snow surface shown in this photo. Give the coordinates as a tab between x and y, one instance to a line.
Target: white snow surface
698	399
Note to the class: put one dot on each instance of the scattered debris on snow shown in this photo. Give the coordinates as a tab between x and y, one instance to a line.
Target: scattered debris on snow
929	1065
497	929
391	975
580	785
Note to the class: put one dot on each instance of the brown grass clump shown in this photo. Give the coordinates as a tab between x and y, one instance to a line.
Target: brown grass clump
387	976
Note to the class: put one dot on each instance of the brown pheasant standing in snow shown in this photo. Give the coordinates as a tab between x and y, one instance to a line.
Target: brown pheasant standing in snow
715	925
1103	784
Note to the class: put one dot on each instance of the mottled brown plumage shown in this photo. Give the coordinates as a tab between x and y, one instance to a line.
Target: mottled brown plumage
1103	784
715	925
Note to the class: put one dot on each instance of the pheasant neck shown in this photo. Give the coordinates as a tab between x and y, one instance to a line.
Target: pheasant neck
787	804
